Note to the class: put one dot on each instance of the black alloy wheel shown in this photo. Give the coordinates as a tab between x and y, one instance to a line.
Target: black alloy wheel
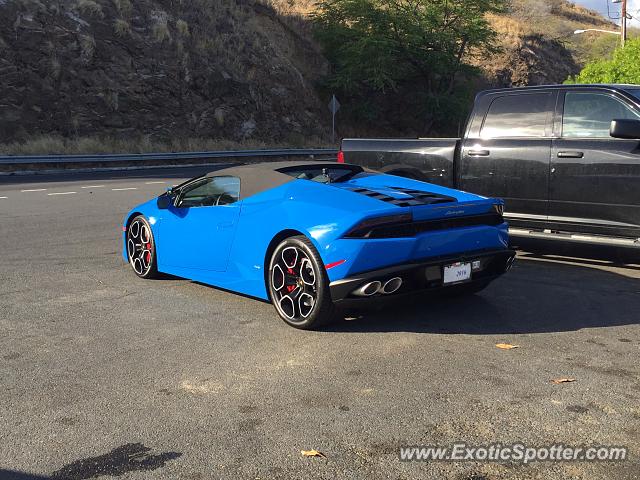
298	284
141	248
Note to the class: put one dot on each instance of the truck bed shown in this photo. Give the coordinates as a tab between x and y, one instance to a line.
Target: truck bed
428	159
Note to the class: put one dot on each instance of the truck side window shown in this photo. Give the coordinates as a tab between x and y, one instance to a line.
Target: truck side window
517	116
589	114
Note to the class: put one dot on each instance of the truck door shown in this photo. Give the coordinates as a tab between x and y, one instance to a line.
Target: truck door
507	152
595	179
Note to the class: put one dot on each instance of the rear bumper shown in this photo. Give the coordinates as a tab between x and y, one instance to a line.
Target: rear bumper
422	277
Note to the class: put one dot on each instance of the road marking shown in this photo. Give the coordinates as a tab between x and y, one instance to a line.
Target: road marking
4	197
152	183
34	190
61	193
121	189
93	186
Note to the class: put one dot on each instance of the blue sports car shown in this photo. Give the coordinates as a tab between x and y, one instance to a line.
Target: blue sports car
311	236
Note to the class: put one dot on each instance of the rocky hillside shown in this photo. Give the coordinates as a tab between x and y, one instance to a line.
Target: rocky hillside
183	73
538	43
163	69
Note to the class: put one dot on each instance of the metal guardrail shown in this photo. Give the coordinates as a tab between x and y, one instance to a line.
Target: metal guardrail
136	157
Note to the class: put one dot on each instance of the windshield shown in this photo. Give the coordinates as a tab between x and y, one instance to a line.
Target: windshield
634	91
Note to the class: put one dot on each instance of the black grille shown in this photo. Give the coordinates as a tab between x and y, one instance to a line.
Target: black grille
418	197
414	228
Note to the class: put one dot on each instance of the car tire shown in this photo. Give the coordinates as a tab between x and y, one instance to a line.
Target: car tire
298	284
141	248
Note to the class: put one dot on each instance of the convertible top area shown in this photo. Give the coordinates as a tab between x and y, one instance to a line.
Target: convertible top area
258	177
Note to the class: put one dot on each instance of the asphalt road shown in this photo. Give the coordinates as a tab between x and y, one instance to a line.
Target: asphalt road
104	373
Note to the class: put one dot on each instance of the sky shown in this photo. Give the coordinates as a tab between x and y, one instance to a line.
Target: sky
633	7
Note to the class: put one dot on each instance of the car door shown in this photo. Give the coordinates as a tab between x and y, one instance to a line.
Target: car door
595	179
197	230
507	151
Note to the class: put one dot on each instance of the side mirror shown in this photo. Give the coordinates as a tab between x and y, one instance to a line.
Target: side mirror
625	129
164	201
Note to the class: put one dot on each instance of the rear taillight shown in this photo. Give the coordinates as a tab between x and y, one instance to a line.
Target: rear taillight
340	156
364	228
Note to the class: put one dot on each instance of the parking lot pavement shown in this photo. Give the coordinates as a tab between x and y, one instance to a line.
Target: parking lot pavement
104	373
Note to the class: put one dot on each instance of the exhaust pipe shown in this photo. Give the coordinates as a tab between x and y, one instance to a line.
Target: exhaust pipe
368	289
392	285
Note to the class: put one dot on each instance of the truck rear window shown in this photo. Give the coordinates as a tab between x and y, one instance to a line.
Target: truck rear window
517	116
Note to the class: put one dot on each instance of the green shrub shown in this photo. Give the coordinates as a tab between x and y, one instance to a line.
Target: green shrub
404	59
624	67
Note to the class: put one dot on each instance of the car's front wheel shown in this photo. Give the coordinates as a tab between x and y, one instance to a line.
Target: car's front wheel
299	285
141	248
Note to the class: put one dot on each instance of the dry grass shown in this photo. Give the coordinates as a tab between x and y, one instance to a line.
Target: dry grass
183	28
55	145
87	47
160	29
292	7
121	27
90	8
124	7
510	29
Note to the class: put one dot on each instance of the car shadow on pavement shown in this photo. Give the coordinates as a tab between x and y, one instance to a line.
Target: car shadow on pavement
16	475
536	296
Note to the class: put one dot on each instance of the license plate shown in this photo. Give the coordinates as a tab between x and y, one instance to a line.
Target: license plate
457	272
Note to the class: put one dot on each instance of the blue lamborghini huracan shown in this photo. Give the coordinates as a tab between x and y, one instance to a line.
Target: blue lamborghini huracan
310	236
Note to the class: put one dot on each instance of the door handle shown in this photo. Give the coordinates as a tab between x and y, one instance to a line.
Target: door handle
478	153
570	154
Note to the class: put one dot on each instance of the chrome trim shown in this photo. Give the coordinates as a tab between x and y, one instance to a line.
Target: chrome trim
362	291
396	283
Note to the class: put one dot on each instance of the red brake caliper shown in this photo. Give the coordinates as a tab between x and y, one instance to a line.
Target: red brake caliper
148	252
290	288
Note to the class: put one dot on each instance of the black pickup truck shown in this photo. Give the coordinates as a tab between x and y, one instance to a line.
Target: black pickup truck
565	159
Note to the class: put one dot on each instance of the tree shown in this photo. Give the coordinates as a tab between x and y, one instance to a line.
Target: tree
409	52
624	67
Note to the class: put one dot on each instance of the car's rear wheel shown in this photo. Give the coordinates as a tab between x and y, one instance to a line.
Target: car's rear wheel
298	284
141	248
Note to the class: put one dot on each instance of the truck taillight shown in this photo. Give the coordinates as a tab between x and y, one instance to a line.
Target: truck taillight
340	156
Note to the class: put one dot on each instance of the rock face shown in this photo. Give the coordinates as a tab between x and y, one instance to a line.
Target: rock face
533	60
204	68
235	70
